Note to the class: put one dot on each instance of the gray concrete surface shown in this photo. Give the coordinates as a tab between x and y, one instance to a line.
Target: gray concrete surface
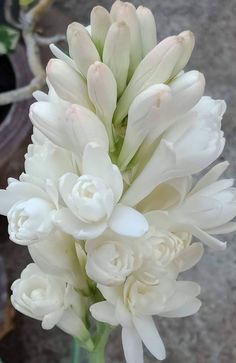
209	336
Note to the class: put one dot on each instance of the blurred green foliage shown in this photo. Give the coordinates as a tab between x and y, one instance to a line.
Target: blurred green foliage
8	39
26	2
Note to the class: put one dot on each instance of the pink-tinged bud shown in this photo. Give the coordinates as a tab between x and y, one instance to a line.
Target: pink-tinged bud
68	84
188	45
127	13
115	8
102	90
118	42
100	21
148	29
81	47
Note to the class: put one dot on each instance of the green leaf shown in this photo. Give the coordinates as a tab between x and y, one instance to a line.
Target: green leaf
8	39
26	2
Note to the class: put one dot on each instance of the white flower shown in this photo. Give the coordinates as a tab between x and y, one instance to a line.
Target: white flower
112	258
165	254
51	300
133	305
92	199
208	208
29	209
48	161
201	124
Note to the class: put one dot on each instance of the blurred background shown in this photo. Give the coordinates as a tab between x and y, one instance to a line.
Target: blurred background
210	335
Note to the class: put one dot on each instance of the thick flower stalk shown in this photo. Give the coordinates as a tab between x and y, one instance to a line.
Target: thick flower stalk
106	205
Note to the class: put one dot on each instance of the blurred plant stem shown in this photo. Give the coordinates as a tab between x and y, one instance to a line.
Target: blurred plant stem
27	23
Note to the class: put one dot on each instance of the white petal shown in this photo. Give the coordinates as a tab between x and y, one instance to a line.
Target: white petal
83	126
57	256
104	312
206	238
185	292
225	228
51	319
127	221
149	334
150	177
189	257
61	55
132	346
67	221
97	162
111	293
210	177
17	191
190	308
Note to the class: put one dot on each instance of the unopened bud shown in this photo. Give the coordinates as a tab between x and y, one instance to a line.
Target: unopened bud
81	47
148	29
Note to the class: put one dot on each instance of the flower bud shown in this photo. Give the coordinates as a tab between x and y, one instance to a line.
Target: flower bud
127	13
118	42
148	29
100	23
188	45
186	91
102	91
141	120
81	47
156	67
172	158
83	126
68	84
115	9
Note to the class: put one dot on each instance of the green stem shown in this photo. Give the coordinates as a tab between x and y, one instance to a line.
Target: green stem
98	354
75	351
100	341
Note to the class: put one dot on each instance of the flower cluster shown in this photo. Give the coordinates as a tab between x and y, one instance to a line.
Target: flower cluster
106	205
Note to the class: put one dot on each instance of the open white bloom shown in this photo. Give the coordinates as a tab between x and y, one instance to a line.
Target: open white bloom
29	209
133	305
92	199
51	300
208	208
112	258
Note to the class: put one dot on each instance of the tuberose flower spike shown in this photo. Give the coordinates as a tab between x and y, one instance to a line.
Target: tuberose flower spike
106	205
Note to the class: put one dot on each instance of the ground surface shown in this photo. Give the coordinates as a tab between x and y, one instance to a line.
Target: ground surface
209	336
